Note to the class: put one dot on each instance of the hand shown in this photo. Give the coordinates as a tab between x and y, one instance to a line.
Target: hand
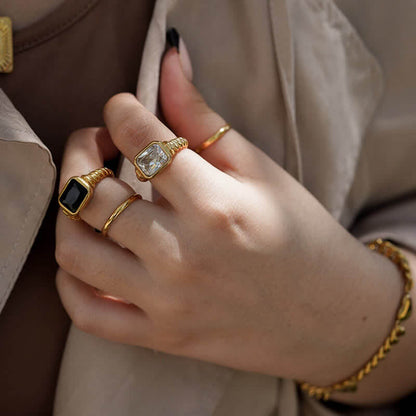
236	263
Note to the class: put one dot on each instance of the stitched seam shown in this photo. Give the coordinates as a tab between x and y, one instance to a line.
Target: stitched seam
50	33
23	226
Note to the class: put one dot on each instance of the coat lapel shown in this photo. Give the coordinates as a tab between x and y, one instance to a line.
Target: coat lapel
332	86
284	53
26	187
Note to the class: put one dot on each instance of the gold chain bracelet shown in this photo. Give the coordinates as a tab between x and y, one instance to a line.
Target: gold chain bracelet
350	384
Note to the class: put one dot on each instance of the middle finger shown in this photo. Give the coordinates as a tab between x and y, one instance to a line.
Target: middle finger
188	177
101	263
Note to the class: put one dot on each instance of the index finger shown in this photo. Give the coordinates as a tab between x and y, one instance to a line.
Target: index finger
132	127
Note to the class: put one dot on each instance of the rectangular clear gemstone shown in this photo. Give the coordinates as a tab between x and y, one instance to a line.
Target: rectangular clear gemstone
151	160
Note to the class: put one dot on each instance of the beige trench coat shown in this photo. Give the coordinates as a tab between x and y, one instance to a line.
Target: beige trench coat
296	79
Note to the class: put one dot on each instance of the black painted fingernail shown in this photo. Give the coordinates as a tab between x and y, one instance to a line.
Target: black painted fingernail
172	38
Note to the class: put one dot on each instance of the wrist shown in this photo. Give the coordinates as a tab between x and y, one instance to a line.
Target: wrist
337	390
395	377
359	319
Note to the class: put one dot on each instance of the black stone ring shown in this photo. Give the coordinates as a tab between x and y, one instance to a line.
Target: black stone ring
78	191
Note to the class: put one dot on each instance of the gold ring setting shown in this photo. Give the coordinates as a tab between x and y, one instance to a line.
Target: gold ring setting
211	140
156	156
78	191
116	213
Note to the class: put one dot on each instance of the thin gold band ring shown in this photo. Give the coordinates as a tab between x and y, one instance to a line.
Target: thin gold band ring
118	211
211	140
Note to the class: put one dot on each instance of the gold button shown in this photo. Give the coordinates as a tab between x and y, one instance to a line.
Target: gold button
6	45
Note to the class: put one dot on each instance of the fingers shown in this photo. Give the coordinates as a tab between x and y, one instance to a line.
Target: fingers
181	101
95	142
132	127
101	263
187	113
100	316
147	223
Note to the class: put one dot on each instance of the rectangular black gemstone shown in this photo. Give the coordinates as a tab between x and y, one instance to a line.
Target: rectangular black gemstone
73	196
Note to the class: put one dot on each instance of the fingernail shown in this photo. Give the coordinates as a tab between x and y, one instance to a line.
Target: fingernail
172	38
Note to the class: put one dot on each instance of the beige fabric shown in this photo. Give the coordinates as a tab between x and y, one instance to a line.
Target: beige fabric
320	130
26	188
296	79
67	65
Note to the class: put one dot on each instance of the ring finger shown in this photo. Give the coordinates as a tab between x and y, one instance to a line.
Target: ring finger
101	263
86	150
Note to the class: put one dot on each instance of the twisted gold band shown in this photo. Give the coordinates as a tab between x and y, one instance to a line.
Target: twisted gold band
350	384
118	211
176	144
6	45
97	175
211	140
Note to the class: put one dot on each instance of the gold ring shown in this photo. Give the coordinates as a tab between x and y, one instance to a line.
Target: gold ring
211	140
78	191
156	156
118	211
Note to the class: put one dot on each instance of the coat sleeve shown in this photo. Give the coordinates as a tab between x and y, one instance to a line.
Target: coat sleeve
26	184
395	221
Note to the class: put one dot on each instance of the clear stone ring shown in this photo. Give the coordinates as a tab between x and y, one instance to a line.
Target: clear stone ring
156	156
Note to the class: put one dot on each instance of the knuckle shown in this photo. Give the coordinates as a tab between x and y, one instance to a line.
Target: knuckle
178	270
81	318
75	136
185	272
66	254
224	217
197	263
220	218
175	266
126	130
78	136
134	121
115	100
133	129
171	339
169	317
78	310
172	308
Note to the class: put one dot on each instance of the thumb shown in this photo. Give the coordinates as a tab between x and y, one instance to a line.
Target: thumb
188	115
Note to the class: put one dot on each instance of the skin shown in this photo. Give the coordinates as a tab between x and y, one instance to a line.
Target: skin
236	263
230	297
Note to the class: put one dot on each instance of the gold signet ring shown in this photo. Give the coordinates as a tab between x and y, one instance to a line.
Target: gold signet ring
156	156
78	191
